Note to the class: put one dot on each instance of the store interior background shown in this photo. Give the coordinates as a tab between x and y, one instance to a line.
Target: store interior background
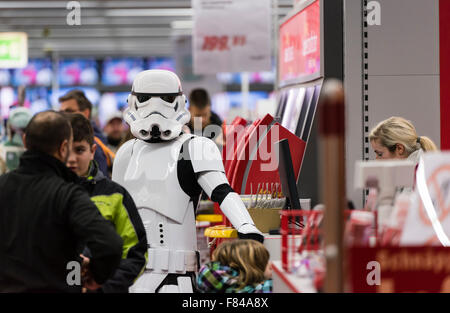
117	39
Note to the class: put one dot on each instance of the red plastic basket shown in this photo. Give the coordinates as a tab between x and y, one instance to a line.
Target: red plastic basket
301	232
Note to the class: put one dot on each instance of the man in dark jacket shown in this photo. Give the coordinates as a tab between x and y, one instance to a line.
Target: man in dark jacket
75	101
113	202
45	216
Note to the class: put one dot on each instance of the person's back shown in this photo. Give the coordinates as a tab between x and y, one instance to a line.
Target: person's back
43	218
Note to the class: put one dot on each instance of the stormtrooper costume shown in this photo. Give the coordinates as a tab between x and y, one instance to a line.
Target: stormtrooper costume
165	172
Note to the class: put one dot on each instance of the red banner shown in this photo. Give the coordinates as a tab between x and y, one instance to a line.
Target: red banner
399	270
299	54
444	34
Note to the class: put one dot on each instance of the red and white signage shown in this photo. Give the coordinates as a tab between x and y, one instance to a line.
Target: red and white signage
394	270
300	46
231	36
428	220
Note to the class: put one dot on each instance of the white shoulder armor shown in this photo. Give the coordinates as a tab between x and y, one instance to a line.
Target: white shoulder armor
205	155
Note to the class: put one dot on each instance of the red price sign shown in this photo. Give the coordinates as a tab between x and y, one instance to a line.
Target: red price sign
222	43
299	49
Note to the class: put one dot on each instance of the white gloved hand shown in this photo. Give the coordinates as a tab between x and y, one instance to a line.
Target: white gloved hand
249	231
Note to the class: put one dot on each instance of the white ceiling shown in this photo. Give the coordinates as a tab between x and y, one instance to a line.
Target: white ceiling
128	28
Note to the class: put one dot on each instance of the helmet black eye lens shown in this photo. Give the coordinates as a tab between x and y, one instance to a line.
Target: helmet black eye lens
143	98
169	99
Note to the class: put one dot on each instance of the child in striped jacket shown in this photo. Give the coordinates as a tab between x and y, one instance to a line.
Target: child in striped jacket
238	266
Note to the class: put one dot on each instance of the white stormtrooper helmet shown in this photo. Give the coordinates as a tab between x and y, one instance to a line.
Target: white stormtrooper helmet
156	106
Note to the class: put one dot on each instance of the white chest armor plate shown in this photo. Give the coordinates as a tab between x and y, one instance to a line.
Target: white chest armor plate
150	175
151	178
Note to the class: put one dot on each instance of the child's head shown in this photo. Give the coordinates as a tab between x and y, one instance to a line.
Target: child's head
83	147
249	257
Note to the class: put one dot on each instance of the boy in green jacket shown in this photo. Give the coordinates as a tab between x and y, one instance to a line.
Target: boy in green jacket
113	202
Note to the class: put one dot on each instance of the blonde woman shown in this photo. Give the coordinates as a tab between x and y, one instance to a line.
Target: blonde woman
240	266
396	138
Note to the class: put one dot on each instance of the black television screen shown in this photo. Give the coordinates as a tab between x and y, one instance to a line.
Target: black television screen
308	112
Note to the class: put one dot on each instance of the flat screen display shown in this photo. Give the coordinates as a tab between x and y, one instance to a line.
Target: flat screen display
38	99
5	77
254	78
222	103
308	112
91	93
293	108
74	72
281	103
38	72
121	71
161	63
300	46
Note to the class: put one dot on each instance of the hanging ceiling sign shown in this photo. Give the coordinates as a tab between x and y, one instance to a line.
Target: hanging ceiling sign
13	50
231	36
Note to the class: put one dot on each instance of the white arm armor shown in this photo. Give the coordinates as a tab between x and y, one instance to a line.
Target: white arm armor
232	205
207	162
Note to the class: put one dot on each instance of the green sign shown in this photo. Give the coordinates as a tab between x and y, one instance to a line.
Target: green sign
13	50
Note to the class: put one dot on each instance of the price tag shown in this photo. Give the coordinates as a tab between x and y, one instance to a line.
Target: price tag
231	36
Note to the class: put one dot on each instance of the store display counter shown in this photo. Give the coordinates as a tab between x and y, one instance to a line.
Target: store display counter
284	282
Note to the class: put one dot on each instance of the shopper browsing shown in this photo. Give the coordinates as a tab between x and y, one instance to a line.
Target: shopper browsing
45	216
113	202
114	130
75	101
238	266
12	149
396	138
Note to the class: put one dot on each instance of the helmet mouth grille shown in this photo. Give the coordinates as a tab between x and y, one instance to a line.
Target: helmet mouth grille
155	132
